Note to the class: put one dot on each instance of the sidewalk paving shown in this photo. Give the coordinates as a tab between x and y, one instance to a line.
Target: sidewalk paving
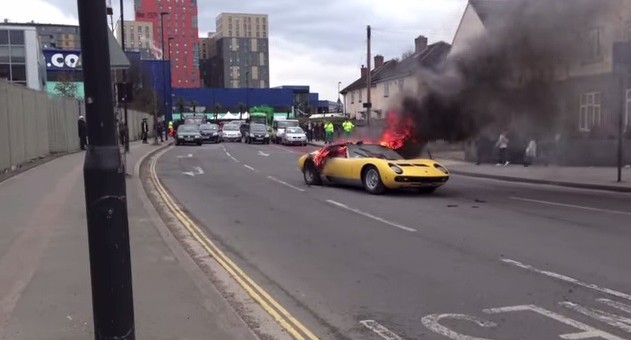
599	178
44	265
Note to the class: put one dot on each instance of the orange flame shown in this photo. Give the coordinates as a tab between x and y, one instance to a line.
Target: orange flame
397	131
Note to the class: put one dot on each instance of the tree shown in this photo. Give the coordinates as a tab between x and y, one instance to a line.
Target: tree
145	100
180	104
407	54
67	89
241	107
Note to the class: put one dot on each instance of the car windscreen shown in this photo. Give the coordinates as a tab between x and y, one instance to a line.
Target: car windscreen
373	151
208	127
286	124
294	130
188	128
231	128
258	128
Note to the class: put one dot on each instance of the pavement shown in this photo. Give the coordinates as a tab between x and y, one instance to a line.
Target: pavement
44	265
478	259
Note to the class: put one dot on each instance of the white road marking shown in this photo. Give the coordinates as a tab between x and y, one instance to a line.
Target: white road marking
284	149
608	318
285	183
189	173
228	154
565	205
615	304
432	323
198	170
567	279
380	330
365	214
587	331
263	154
190	155
249	167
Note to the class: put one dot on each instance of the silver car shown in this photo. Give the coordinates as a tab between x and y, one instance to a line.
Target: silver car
294	136
188	134
231	133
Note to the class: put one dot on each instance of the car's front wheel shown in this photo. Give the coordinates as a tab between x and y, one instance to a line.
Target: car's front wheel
311	174
372	181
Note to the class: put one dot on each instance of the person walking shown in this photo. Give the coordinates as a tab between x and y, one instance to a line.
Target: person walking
530	153
502	145
348	127
144	129
329	129
161	131
83	132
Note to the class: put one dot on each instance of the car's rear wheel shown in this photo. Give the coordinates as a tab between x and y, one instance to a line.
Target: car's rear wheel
311	175
426	190
372	181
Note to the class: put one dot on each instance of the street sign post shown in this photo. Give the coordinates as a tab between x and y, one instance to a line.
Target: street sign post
622	65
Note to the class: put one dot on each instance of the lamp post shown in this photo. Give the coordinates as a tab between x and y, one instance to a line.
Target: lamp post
247	90
164	80
124	74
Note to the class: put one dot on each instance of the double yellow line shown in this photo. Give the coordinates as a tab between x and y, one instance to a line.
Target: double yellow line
280	314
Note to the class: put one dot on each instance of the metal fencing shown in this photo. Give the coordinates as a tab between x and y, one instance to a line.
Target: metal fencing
34	125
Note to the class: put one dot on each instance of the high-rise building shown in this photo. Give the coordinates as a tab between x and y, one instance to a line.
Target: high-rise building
238	53
21	60
53	36
139	38
180	24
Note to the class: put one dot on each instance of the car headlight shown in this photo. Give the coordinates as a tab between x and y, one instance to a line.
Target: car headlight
396	169
266	135
198	136
441	168
214	133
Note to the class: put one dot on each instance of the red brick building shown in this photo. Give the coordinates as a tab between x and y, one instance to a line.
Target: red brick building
181	25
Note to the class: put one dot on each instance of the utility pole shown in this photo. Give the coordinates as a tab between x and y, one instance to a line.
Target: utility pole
622	65
124	87
623	91
164	79
104	181
368	104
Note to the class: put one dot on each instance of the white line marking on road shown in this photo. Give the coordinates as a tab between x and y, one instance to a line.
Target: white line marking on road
588	331
380	330
198	170
285	183
228	154
263	154
249	167
189	173
284	149
615	304
190	155
432	323
567	279
608	318
565	205
365	214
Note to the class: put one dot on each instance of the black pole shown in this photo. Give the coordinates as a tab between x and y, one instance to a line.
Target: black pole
621	122
124	79
164	77
104	180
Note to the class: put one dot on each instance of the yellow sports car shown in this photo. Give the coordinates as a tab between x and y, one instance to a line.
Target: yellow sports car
375	167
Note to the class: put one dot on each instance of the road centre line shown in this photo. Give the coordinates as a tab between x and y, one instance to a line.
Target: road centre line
365	214
285	183
380	330
565	205
567	279
279	313
249	167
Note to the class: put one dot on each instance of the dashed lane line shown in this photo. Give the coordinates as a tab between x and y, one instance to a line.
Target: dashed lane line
573	206
371	216
567	279
285	183
250	168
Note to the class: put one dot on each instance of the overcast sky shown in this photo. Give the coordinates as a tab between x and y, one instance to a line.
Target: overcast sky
316	43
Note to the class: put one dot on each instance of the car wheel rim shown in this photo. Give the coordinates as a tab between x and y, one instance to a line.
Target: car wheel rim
309	174
372	179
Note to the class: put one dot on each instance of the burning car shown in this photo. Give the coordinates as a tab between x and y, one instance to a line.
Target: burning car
376	167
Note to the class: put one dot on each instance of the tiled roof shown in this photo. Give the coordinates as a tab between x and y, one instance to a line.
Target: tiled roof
430	57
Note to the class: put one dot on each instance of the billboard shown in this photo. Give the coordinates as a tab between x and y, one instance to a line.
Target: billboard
62	60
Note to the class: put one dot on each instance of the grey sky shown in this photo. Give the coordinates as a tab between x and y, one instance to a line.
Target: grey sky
311	43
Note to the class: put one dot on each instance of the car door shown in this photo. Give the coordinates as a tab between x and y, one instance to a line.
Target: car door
338	167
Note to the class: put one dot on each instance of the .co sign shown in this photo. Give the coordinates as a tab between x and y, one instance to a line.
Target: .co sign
62	60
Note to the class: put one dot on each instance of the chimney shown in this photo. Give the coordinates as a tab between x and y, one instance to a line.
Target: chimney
364	72
420	44
378	60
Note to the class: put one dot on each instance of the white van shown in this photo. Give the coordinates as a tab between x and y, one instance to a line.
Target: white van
279	126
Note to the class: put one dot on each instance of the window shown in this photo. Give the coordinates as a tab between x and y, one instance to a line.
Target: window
18	72
5	72
594	50
590	111
4	54
386	89
352	97
18	55
16	37
4	37
360	96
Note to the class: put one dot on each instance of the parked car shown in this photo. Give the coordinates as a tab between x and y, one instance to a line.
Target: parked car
188	134
230	133
294	136
257	133
279	126
209	132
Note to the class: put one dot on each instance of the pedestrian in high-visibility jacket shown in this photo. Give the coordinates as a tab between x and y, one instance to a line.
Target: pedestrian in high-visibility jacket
328	130
171	131
348	127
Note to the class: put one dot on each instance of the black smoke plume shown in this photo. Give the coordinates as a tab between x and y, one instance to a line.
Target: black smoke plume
506	75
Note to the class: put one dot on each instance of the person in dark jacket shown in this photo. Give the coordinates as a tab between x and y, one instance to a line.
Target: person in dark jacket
144	129
83	132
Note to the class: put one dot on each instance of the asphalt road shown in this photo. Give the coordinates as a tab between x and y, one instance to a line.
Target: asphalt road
477	259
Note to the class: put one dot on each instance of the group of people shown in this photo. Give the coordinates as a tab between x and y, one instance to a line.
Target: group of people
325	131
502	147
